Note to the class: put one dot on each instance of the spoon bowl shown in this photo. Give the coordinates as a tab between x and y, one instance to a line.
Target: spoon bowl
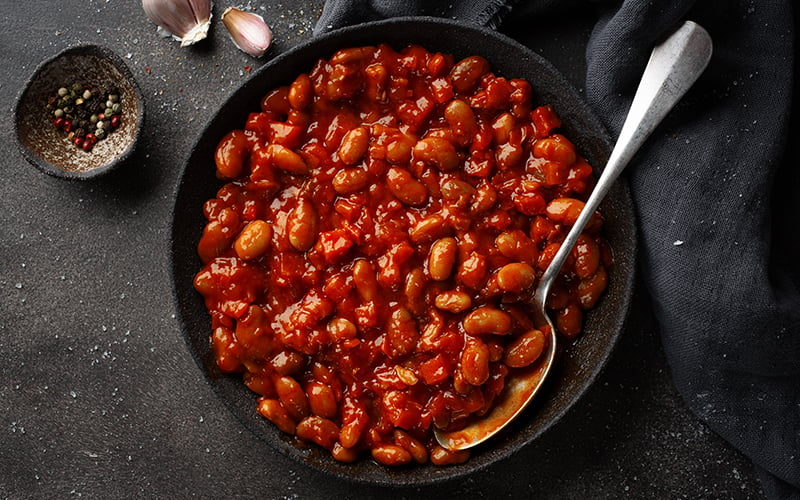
674	66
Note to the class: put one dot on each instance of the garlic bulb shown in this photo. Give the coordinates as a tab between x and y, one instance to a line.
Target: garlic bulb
248	30
185	20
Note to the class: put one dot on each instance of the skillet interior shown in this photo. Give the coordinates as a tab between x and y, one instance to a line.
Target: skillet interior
576	370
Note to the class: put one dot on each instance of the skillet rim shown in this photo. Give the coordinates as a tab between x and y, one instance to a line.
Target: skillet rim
442	32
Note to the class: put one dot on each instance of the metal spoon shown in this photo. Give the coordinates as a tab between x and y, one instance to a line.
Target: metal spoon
673	68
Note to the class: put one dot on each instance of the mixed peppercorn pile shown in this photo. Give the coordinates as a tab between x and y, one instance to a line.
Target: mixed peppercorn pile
86	114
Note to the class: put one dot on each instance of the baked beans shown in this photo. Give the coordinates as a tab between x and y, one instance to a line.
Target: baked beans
383	222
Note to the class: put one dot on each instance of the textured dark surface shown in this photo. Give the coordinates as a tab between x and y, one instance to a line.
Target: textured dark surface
99	395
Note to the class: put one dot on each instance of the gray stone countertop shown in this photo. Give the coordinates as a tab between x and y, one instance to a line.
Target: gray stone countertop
99	395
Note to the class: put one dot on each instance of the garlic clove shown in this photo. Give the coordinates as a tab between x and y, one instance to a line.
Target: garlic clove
248	31
185	20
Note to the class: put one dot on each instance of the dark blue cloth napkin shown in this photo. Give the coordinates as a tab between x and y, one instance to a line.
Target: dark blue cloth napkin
711	188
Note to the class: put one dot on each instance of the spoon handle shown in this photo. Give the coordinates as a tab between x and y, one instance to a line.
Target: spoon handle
673	67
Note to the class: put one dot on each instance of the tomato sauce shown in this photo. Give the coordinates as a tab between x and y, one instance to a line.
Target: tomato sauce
383	223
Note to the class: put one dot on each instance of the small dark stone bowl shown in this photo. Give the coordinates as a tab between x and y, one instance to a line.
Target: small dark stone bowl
577	368
48	148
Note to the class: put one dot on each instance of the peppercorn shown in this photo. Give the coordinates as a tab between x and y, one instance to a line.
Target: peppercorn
85	113
94	107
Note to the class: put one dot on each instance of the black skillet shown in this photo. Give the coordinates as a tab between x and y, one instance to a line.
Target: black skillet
578	367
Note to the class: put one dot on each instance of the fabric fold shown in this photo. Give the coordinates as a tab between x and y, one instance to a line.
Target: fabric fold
702	190
336	14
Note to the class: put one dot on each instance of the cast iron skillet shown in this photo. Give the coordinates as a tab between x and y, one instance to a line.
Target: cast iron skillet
575	371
